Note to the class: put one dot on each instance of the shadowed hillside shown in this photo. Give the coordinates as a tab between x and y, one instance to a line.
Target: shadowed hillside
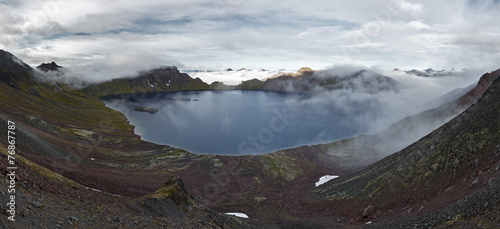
157	80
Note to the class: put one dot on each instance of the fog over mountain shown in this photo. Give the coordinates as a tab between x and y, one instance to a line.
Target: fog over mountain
411	95
414	93
114	65
384	107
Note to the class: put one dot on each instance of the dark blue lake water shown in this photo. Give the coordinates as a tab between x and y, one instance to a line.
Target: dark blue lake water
240	122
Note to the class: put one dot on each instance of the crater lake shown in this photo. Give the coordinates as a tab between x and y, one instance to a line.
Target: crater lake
236	122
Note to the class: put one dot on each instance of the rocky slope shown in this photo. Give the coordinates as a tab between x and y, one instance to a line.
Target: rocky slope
45	199
408	130
64	133
70	141
458	161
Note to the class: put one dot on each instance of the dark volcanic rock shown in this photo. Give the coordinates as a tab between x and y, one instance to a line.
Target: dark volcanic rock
173	201
49	67
170	200
13	71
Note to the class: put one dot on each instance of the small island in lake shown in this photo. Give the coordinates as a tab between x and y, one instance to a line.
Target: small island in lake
151	110
180	99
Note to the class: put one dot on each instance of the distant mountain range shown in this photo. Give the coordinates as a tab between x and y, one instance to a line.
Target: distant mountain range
427	72
307	80
171	79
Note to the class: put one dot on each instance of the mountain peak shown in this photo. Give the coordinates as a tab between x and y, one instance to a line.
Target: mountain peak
429	70
13	70
7	59
305	71
49	67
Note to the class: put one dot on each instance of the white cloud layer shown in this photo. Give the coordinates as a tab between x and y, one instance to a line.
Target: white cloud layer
218	34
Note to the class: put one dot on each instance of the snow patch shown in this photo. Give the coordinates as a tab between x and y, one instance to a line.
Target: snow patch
93	189
151	85
168	84
58	87
237	214
325	179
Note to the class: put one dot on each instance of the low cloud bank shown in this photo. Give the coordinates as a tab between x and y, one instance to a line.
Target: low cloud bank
366	100
114	65
393	118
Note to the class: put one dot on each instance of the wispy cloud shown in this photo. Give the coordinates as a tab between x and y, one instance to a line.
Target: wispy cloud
253	34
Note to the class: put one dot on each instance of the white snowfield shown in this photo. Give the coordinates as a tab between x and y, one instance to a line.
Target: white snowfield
237	214
325	179
235	77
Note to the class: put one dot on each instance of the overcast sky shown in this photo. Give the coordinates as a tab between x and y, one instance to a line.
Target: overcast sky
217	34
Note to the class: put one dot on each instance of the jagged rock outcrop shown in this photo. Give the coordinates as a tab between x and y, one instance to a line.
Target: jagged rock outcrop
170	200
46	67
427	72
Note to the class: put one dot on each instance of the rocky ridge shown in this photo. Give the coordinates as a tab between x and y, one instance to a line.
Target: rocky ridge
307	80
427	72
46	67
